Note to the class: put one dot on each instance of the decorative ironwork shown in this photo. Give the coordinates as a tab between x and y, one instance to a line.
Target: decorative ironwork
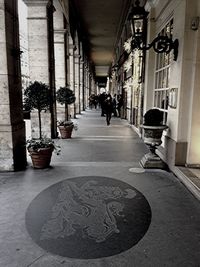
161	44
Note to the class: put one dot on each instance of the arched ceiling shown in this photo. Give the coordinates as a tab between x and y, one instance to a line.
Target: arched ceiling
102	22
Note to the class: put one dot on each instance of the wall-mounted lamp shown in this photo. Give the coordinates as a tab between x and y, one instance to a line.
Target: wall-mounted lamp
161	44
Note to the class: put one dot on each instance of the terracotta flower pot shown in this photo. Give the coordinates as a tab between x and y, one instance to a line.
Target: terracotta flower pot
66	131
41	158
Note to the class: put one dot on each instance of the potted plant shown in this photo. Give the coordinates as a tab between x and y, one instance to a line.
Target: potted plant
41	150
152	133
153	126
65	96
37	96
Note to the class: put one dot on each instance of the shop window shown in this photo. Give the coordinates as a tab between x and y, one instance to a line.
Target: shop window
162	75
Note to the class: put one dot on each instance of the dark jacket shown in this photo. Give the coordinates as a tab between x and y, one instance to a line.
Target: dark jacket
108	105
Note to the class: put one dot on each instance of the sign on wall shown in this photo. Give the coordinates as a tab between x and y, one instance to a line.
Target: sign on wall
173	97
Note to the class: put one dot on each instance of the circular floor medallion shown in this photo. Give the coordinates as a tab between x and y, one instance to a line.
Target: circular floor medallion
88	217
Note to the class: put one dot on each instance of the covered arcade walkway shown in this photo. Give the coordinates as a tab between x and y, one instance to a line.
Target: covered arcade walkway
96	206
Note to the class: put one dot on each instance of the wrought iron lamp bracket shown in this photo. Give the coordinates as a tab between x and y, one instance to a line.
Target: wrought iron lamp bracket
161	44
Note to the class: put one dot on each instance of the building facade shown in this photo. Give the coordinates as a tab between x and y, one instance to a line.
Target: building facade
170	85
173	85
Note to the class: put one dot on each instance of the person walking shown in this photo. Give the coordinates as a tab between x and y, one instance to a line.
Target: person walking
108	108
102	98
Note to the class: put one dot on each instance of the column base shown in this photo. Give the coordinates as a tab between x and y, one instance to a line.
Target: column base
13	148
152	161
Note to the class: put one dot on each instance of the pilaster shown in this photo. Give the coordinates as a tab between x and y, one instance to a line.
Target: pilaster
82	104
60	55
72	75
86	76
38	56
77	81
38	40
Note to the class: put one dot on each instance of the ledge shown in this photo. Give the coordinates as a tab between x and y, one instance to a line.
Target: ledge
189	179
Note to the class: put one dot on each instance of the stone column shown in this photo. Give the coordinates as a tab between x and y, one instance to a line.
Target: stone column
71	75
60	57
82	105
86	85
12	127
50	11
77	82
38	56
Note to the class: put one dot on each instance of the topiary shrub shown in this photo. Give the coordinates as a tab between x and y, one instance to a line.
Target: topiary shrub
153	117
65	95
37	96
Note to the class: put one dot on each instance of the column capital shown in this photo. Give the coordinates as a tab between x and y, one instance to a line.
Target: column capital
36	2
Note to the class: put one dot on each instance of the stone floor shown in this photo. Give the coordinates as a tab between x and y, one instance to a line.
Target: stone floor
96	207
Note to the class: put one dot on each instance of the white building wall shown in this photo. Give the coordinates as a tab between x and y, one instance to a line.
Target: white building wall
193	47
181	143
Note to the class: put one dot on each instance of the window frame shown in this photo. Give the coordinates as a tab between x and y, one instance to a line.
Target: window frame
162	74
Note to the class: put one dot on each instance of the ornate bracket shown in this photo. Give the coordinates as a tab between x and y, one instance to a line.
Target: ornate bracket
161	44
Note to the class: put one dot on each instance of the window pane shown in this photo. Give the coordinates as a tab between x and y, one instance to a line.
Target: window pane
162	74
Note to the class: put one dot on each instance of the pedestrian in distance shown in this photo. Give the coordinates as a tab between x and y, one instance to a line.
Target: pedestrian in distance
102	98
108	108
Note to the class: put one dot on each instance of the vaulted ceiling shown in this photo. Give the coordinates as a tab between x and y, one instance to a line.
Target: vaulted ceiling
102	21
